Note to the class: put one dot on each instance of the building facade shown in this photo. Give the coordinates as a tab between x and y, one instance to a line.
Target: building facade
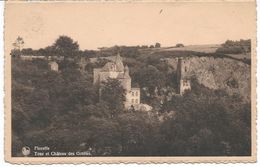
117	70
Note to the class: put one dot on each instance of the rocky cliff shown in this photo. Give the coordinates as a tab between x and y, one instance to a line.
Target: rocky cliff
219	73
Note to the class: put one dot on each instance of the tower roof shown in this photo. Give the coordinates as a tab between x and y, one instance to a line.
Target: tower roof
115	65
119	62
126	68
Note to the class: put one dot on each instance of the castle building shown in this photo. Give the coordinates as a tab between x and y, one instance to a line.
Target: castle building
117	70
183	77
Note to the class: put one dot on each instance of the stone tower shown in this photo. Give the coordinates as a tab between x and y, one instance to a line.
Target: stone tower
183	79
125	79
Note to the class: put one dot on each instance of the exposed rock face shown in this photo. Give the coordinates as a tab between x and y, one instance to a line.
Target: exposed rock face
220	73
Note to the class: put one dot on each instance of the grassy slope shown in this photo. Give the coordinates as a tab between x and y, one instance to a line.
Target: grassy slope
196	48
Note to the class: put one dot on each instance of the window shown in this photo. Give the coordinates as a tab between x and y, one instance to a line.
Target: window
133	100
136	101
185	69
136	93
133	93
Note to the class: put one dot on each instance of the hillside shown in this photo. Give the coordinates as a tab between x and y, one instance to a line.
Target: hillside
63	109
195	48
220	73
229	72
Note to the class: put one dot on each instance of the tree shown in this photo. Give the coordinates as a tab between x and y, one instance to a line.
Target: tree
18	44
129	52
157	45
66	47
206	122
139	133
179	45
235	47
114	94
27	51
150	77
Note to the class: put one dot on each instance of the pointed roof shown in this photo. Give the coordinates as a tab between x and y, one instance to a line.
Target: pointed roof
116	65
126	68
119	62
126	72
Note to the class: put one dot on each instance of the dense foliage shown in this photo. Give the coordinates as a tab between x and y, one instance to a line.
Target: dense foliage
235	47
63	110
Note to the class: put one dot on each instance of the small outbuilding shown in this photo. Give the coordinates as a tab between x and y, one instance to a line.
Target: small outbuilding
53	66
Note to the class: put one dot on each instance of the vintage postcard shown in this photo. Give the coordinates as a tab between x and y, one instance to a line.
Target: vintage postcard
130	81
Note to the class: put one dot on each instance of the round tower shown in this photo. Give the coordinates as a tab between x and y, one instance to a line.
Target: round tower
126	79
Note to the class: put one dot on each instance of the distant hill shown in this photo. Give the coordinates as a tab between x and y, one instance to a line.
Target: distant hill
195	48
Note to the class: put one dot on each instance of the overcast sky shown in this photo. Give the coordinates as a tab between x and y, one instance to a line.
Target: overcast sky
97	25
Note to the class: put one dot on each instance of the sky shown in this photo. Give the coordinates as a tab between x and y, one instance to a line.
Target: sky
96	25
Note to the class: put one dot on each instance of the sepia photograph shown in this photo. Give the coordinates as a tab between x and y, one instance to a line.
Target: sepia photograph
130	82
